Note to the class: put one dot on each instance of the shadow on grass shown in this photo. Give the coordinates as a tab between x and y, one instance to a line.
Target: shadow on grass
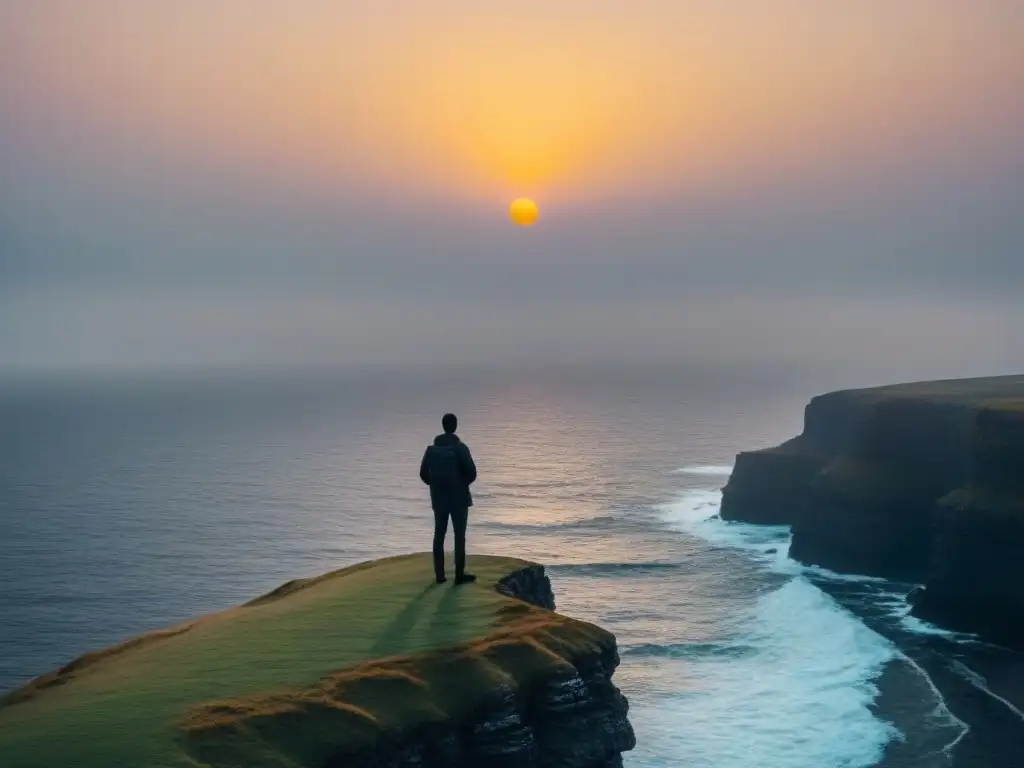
447	618
394	638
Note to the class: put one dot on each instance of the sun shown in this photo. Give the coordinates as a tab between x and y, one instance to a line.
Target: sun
523	212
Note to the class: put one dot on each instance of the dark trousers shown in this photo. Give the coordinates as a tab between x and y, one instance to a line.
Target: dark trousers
459	516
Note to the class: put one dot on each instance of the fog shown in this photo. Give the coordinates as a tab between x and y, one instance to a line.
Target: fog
901	254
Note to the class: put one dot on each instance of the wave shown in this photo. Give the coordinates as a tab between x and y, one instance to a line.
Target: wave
942	710
705	470
611	569
853	578
899	609
602	522
798	684
981	684
688	650
810	666
696	513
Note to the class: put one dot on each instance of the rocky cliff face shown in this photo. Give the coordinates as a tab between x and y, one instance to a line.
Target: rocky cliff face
920	481
975	580
871	506
859	484
571	721
531	585
771	487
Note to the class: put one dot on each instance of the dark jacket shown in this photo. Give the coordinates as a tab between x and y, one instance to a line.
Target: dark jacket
444	499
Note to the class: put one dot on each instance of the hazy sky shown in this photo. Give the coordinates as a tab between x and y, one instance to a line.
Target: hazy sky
304	181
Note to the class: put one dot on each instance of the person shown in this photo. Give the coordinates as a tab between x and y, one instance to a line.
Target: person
448	468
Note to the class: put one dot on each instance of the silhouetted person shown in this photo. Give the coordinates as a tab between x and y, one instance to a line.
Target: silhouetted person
448	469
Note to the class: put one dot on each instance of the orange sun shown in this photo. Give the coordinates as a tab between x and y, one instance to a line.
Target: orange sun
523	212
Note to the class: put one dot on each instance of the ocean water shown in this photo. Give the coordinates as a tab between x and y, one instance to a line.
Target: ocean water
131	503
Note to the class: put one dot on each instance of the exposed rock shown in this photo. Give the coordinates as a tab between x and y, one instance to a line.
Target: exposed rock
859	485
773	486
871	506
530	585
770	487
976	579
918	481
581	719
502	738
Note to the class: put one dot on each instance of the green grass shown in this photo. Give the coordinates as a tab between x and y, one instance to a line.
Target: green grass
996	391
286	679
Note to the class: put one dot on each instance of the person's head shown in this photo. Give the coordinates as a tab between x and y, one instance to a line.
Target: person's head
450	423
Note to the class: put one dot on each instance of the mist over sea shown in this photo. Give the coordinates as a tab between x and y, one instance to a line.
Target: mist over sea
132	502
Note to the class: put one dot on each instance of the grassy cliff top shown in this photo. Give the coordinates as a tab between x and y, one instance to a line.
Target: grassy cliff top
285	679
993	392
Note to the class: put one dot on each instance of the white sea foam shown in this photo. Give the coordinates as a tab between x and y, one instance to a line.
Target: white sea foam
696	512
942	710
802	700
852	578
705	471
921	627
899	608
981	684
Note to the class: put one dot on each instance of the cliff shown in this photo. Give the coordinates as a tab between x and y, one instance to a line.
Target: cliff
368	666
976	581
771	487
917	481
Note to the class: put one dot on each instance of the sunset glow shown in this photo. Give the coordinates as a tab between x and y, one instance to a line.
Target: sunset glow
489	102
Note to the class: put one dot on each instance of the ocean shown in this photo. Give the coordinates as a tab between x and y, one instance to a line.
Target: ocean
132	502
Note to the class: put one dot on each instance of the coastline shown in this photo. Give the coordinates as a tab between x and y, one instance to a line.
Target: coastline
914	488
917	482
936	678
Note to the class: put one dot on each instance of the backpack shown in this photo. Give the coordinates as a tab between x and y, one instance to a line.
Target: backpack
443	467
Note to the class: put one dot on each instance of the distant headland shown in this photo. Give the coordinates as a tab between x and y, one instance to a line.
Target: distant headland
922	482
372	665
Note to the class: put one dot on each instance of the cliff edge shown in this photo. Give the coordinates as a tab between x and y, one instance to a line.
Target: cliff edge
373	665
921	481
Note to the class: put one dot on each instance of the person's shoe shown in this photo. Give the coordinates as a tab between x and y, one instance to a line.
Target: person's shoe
441	579
466	578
